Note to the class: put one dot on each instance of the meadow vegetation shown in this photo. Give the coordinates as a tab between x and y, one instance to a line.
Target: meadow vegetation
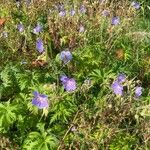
74	75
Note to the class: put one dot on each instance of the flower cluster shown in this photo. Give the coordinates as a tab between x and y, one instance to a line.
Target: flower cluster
68	83
117	86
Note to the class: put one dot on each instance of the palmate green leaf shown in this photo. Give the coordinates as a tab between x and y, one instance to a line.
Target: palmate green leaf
7	114
40	140
63	110
102	75
5	77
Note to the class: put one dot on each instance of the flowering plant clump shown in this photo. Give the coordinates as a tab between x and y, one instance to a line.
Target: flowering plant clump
74	75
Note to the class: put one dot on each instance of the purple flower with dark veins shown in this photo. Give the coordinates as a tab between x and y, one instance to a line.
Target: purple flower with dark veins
121	78
138	91
20	27
37	29
40	100
66	56
39	45
117	88
115	21
136	5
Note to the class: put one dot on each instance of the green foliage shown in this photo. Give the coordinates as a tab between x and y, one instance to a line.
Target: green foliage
91	117
123	142
42	140
8	115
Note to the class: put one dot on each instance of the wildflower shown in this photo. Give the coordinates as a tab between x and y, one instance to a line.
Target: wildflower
138	91
121	78
37	29
62	13
105	13
20	27
68	83
65	56
39	45
40	100
81	28
63	79
136	5
82	9
117	88
115	21
72	12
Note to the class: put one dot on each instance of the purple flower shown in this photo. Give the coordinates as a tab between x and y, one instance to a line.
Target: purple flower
136	5
40	100
65	56
81	28
68	83
105	13
82	9
63	79
115	21
121	78
117	88
62	13
39	45
20	27
37	29
138	91
72	12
